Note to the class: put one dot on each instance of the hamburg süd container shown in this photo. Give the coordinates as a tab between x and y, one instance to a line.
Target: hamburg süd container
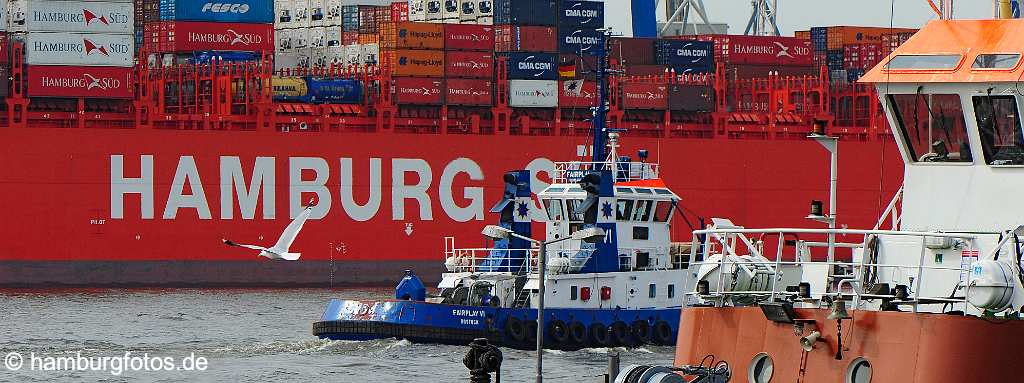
70	48
526	12
412	35
533	93
233	11
514	38
468	37
580	41
417	63
418	91
643	95
685	55
761	50
532	66
577	94
631	50
72	16
469	64
469	91
580	14
79	81
691	98
182	36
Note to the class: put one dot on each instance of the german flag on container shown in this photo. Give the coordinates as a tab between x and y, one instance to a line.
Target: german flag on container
567	70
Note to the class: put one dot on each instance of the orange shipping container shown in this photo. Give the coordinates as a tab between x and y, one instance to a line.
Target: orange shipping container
412	35
368	38
839	37
415	62
806	35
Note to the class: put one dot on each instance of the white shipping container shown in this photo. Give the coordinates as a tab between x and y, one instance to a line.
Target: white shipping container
283	11
467	11
317	13
85	49
318	58
332	13
485	20
317	37
4	19
485	12
417	10
370	53
283	41
300	13
353	55
300	38
293	60
333	36
336	55
533	93
450	11
71	16
432	11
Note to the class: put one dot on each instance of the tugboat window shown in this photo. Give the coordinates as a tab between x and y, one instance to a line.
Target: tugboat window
643	211
924	62
996	61
1002	140
662	211
625	209
652	290
554	209
671	291
573	292
573	211
932	126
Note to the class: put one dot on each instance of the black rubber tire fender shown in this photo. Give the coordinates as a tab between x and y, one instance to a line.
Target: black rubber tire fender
663	333
558	331
620	333
577	332
599	334
515	329
641	330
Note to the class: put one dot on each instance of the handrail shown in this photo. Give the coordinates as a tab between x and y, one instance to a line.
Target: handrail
624	171
961	235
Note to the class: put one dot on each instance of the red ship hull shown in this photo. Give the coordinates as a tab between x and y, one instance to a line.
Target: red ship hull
81	210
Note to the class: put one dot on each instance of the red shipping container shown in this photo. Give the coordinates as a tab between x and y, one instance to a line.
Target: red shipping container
5	52
572	95
184	36
762	71
469	64
418	91
400	11
632	51
349	38
642	95
468	91
468	37
514	38
80	81
645	70
773	50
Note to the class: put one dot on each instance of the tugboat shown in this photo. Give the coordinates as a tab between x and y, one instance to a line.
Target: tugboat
934	292
604	273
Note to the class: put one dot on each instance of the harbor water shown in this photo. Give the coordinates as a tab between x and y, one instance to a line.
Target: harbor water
241	335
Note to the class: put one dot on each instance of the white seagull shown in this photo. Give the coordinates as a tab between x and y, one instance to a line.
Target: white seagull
280	249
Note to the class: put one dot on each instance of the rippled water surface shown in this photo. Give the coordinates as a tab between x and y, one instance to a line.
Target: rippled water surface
244	336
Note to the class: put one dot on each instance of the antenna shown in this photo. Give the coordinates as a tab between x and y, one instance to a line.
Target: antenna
762	19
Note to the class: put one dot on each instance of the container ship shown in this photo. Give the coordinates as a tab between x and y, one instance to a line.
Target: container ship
136	135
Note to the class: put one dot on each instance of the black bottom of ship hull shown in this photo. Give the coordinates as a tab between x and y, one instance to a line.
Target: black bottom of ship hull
259	273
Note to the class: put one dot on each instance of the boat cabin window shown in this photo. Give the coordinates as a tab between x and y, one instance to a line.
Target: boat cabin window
554	209
625	210
662	211
643	210
996	61
1000	130
932	126
924	62
573	211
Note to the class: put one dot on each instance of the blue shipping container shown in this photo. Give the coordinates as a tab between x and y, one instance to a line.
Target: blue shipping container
532	66
834	59
581	14
235	11
689	54
819	38
205	57
580	41
525	12
334	91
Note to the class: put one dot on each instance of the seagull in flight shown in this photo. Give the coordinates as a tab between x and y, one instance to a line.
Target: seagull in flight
280	249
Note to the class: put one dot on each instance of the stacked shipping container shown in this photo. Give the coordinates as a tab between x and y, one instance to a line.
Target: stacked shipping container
308	33
850	51
527	36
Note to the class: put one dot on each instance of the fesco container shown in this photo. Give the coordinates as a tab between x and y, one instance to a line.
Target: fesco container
417	63
79	81
74	48
233	11
533	93
412	35
469	91
577	94
418	91
581	14
532	66
469	37
580	41
187	36
643	95
469	64
691	98
525	12
334	91
631	50
73	16
515	38
685	55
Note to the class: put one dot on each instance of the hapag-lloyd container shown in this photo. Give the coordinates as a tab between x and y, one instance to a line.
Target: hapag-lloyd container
183	36
469	91
577	94
515	38
581	14
533	93
642	95
232	11
468	37
71	16
418	90
412	35
532	66
525	12
69	48
761	50
469	64
416	63
79	81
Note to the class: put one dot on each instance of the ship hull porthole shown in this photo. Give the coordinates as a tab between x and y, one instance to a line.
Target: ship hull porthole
859	371
761	369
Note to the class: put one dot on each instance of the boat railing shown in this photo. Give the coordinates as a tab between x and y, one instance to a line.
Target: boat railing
571	172
474	260
730	250
648	259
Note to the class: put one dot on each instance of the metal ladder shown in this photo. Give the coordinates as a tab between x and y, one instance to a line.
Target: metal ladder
523	299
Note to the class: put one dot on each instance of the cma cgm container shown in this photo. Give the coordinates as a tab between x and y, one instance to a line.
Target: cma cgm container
412	35
92	49
631	50
581	14
577	94
417	63
515	38
418	91
532	66
79	81
469	91
468	37
642	95
685	55
525	12
533	93
73	16
233	11
184	36
761	50
581	41
469	64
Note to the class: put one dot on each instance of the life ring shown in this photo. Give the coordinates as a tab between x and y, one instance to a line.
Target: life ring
620	333
577	332
599	334
515	329
558	331
663	333
641	331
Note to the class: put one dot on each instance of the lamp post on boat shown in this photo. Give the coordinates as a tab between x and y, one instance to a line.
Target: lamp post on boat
589	235
832	145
